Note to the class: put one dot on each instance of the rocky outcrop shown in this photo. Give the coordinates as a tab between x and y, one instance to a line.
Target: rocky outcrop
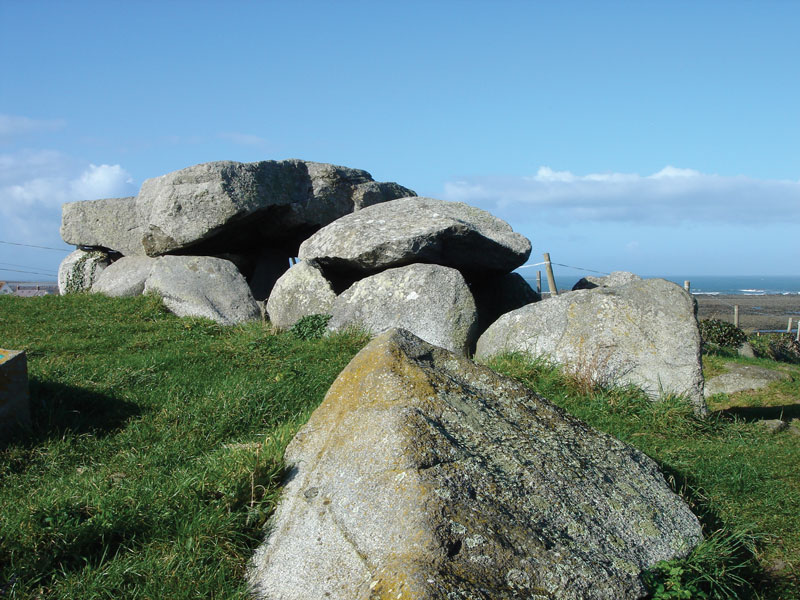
614	279
431	301
417	230
202	286
423	475
644	333
300	292
740	378
80	269
125	277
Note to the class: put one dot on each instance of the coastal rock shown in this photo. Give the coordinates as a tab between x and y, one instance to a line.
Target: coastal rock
226	206
80	269
740	378
112	223
417	230
643	333
614	279
423	475
203	286
124	277
299	292
431	301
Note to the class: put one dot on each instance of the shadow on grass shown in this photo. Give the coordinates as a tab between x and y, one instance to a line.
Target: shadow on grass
58	409
760	413
742	557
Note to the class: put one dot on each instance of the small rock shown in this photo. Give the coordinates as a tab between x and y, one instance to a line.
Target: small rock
80	270
299	292
772	425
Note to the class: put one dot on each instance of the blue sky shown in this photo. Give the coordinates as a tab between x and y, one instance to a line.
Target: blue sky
655	137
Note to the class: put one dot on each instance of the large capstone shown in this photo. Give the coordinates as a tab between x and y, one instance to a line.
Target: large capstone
423	475
412	230
225	206
80	270
300	292
431	301
643	333
203	286
112	223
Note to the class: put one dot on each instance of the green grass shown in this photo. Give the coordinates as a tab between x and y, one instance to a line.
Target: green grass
156	451
155	455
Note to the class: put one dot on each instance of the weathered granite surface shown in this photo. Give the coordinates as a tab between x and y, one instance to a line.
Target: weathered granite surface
417	230
80	270
299	292
431	301
644	333
202	286
423	475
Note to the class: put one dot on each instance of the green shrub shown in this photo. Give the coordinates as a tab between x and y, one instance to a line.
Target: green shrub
776	346
721	333
310	327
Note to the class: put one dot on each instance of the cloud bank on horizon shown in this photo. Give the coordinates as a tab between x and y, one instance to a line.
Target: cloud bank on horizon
670	196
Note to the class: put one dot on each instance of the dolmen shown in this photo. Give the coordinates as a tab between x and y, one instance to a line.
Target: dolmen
211	239
214	240
424	475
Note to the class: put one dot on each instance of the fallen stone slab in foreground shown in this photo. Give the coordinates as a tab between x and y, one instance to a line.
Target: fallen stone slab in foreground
423	475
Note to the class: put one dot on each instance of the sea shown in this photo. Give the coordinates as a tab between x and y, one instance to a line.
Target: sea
714	285
747	285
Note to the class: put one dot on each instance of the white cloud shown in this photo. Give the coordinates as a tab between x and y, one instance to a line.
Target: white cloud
13	126
34	185
668	197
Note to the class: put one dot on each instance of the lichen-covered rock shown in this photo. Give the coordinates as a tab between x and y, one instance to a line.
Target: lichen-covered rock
423	475
80	269
227	205
203	286
644	333
431	301
111	223
299	292
124	277
611	280
498	295
417	230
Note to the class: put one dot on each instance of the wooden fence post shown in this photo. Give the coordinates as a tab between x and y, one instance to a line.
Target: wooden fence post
687	285
551	280
736	315
539	282
789	326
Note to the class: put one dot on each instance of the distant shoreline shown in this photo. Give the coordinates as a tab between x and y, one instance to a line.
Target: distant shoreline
756	311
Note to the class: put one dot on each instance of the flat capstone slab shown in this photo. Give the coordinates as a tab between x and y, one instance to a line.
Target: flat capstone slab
14	400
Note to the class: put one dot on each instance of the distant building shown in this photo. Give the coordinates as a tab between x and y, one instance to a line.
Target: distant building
5	288
28	289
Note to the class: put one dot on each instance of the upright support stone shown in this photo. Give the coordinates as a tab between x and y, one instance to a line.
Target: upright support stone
14	404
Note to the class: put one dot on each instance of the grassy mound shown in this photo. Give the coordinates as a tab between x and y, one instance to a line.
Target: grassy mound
155	455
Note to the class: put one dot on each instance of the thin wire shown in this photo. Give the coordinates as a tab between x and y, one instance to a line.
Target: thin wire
33	246
31	272
23	266
563	265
